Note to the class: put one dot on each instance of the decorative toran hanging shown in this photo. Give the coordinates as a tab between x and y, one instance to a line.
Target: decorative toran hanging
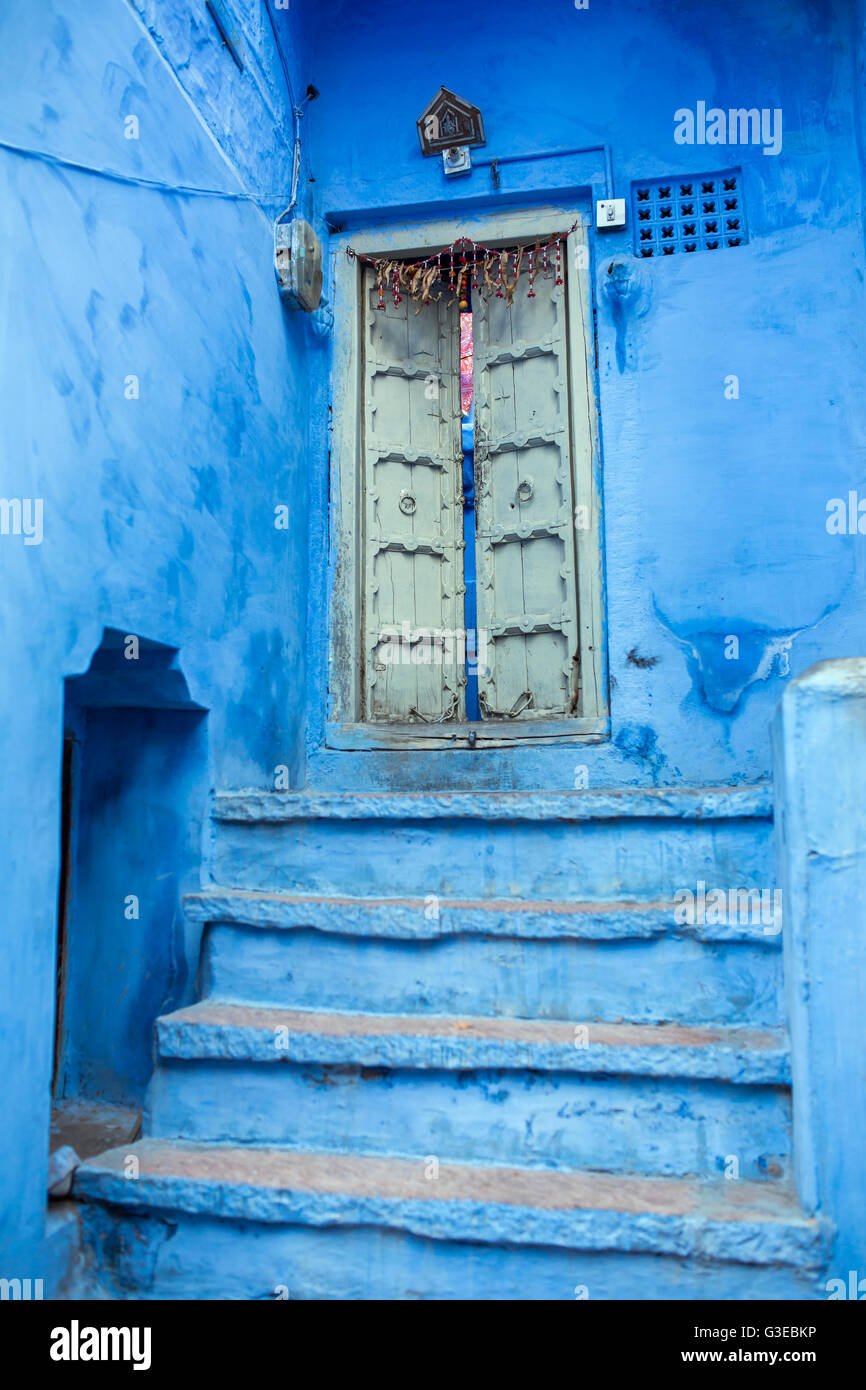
463	266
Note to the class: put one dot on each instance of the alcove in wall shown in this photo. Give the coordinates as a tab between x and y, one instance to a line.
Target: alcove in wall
134	791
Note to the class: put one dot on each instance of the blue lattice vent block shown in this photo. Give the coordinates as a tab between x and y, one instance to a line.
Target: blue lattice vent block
675	216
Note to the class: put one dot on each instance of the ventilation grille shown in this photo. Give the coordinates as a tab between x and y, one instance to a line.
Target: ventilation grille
696	213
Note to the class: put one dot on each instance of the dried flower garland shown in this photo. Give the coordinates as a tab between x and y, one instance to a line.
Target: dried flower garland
463	266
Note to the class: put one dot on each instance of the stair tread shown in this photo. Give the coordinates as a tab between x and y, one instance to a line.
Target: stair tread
751	1221
410	917
255	895
370	1175
317	1021
257	805
212	1029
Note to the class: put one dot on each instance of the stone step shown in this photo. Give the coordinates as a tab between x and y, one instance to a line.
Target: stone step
644	1100
588	846
514	959
203	1220
215	1031
683	803
432	917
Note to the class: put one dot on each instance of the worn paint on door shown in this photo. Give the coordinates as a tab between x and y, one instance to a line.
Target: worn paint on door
526	594
412	500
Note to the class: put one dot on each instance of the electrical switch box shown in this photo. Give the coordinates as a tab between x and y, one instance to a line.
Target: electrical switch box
298	263
610	212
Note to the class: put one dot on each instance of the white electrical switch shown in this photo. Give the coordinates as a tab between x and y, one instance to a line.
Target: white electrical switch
610	212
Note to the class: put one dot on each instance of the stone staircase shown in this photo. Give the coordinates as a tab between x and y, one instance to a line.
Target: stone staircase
453	1046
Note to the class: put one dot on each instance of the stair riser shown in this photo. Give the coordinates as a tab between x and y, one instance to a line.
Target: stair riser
624	1125
173	1256
639	981
500	859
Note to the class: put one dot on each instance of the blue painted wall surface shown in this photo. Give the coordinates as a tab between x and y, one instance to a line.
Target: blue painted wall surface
158	512
714	509
821	834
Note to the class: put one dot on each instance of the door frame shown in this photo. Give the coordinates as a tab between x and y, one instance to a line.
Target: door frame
344	728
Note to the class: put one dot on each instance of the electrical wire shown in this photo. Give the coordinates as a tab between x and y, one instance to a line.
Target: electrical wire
182	189
296	112
138	181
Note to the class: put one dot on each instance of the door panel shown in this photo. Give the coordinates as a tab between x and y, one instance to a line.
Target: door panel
413	548
527	598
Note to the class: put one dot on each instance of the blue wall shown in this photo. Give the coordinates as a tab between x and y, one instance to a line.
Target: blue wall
715	509
820	822
158	511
